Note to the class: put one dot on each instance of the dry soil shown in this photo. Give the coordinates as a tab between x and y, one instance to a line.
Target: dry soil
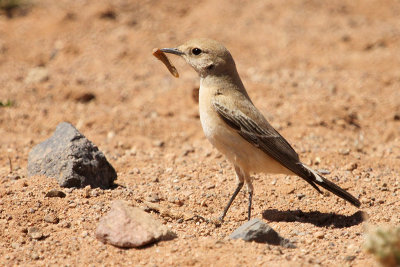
325	73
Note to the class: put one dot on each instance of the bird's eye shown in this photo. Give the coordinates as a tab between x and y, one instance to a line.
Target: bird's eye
196	51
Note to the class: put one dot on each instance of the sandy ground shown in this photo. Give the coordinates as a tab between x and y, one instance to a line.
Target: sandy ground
325	73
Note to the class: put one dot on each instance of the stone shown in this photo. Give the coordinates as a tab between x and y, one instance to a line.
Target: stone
34	256
72	159
154	197
128	227
51	218
210	186
351	166
55	193
65	224
37	75
350	258
35	233
324	171
260	232
319	234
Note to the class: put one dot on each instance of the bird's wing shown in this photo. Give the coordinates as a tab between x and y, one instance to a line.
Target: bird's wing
249	123
253	127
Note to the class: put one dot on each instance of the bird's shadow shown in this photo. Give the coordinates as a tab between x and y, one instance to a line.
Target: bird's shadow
317	218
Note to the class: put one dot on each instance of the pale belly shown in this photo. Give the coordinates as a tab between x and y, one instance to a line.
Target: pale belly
239	151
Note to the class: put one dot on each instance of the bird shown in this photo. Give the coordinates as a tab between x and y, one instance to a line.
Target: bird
237	129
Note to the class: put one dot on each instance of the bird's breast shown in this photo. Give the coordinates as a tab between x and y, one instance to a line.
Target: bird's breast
220	135
209	118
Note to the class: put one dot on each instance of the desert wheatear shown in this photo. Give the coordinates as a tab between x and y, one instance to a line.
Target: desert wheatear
236	128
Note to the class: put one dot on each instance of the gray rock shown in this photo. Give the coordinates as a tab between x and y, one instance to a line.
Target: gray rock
127	227
260	232
72	159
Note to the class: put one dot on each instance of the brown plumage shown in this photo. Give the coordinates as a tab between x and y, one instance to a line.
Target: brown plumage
236	128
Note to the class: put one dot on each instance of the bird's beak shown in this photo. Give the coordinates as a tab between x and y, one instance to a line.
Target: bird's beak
175	51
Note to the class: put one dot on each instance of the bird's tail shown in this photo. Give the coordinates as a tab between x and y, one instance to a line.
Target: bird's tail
330	186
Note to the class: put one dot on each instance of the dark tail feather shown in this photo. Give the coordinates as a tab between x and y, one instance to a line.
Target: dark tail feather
330	186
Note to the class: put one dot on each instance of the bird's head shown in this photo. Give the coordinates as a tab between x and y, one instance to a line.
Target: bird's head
206	56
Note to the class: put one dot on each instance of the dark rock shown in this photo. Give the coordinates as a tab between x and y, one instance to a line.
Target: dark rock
260	232
55	193
127	227
72	159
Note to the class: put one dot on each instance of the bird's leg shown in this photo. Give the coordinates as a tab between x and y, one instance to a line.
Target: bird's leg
250	199
237	190
239	186
250	191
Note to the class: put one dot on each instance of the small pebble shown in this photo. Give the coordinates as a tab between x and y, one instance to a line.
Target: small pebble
94	193
86	192
324	171
51	218
153	198
176	201
300	196
159	143
349	258
364	200
34	256
69	190
210	186
85	234
319	234
35	233
351	166
15	177
55	193
65	224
